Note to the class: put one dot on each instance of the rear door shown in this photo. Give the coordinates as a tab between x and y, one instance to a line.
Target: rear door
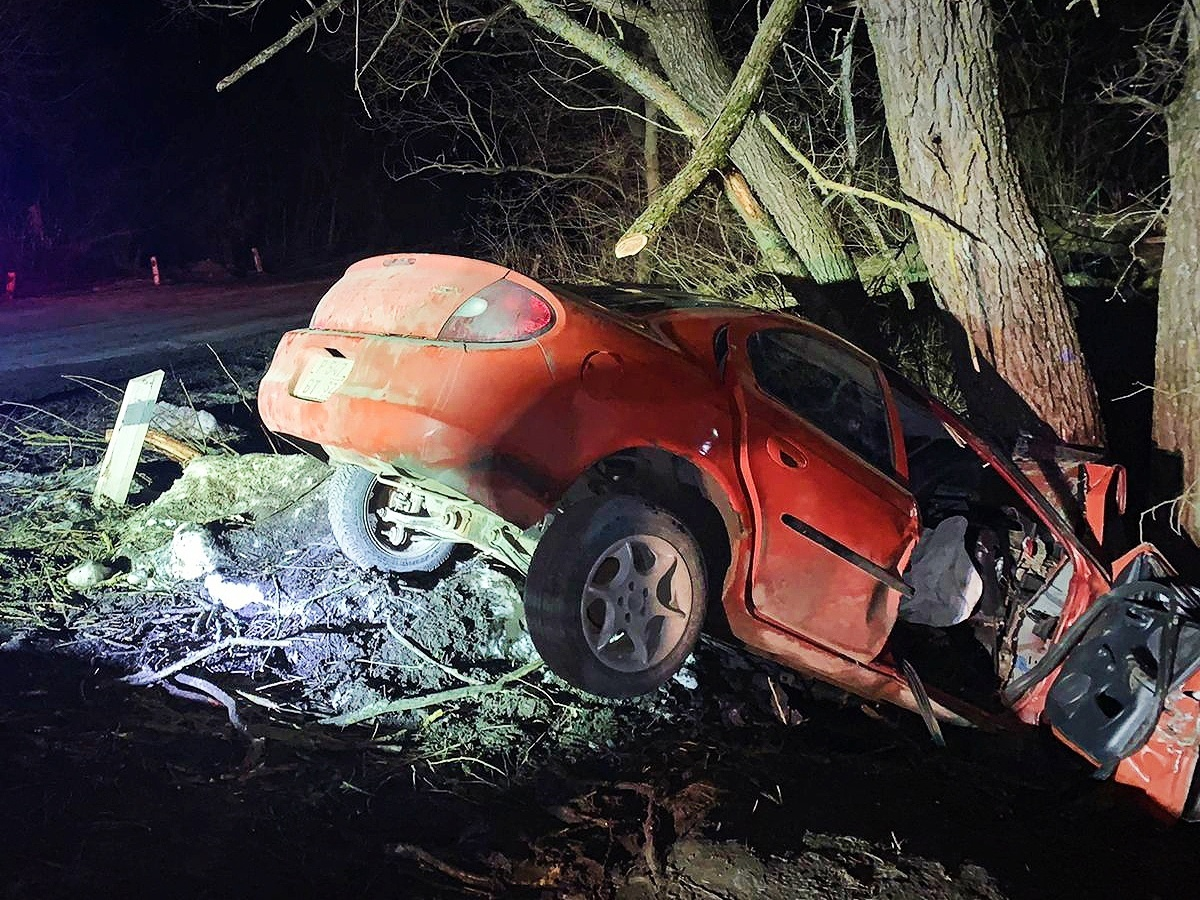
833	522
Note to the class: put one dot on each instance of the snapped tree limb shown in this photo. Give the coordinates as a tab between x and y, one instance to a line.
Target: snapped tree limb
837	187
713	149
469	692
776	251
313	19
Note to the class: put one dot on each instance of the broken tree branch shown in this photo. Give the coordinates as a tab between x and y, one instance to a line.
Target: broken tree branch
712	150
480	883
144	678
616	60
405	704
837	187
625	11
771	243
422	655
218	695
302	25
172	448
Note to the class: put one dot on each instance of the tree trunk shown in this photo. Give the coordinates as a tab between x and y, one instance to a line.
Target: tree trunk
987	257
644	264
686	46
1177	357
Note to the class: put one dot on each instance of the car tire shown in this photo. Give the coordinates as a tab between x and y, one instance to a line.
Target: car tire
354	495
616	595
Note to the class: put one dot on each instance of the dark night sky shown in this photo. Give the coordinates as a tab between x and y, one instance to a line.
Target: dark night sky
125	143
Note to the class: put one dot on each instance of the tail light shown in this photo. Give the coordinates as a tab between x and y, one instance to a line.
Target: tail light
502	311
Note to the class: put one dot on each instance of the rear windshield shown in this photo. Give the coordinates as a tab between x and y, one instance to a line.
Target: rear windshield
635	301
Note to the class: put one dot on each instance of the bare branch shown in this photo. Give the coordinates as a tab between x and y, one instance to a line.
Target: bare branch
837	187
713	149
619	62
771	243
313	19
626	11
464	168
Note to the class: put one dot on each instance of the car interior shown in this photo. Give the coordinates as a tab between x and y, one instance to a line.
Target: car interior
989	579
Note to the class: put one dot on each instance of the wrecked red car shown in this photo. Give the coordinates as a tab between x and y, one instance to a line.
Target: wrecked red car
651	459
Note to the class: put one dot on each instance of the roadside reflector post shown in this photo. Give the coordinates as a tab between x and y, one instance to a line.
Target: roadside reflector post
128	436
257	260
10	285
154	270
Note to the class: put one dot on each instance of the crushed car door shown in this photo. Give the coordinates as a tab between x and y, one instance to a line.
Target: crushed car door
833	523
1126	677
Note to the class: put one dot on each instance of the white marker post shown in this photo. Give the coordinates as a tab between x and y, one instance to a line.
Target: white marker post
154	270
129	434
257	260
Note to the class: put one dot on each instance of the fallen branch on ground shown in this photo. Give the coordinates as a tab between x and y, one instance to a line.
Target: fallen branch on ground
168	446
469	879
144	678
406	704
425	657
211	690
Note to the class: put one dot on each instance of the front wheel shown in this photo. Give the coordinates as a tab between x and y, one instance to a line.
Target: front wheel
616	595
356	498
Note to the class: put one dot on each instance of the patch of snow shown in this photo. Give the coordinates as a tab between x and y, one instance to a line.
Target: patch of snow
185	423
88	574
193	553
232	594
686	679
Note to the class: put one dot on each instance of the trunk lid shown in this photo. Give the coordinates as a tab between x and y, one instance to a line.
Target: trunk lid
402	294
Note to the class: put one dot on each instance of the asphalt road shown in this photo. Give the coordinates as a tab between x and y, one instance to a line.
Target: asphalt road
121	332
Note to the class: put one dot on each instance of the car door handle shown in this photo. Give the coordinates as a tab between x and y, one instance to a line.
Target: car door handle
786	454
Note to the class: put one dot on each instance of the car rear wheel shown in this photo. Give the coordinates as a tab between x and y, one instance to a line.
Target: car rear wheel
616	595
356	498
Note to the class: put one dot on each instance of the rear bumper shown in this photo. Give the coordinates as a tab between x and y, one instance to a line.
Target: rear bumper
463	416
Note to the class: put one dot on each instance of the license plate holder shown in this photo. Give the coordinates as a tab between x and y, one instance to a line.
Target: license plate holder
322	377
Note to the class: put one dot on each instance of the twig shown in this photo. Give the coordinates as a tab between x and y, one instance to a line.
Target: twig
144	678
418	854
828	184
425	657
242	395
405	704
217	694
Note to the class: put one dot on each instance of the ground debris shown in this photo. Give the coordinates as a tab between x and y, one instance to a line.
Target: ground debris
827	867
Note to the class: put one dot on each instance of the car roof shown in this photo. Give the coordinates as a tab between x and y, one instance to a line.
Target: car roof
663	304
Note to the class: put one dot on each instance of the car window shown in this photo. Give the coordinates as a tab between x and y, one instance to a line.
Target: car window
833	390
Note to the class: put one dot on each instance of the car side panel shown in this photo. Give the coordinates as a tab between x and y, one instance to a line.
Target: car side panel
416	405
510	426
1165	767
823	519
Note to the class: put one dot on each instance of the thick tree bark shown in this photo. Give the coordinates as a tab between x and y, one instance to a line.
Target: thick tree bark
987	257
1177	358
644	264
682	34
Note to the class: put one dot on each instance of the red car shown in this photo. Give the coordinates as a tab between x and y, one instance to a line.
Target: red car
649	458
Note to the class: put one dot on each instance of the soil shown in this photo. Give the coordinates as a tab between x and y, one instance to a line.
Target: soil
166	720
